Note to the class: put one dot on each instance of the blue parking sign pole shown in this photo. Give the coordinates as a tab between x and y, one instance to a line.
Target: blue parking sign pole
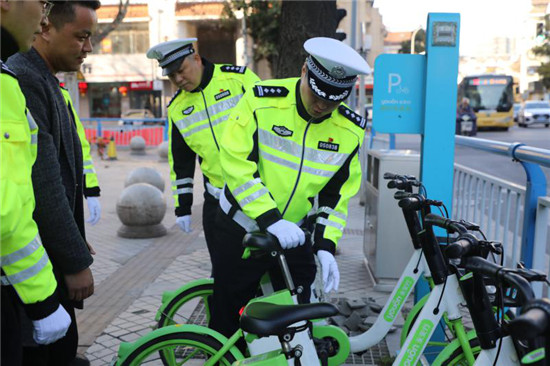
416	94
438	139
438	142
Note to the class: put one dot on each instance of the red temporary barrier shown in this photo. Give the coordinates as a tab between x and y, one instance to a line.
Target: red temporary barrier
153	135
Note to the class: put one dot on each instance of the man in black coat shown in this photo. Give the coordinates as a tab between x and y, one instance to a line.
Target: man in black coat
57	174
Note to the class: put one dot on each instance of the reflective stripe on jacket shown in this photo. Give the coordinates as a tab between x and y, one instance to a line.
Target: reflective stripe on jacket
25	263
273	152
197	122
91	184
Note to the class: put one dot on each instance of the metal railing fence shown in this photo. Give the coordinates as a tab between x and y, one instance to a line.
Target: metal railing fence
494	204
504	204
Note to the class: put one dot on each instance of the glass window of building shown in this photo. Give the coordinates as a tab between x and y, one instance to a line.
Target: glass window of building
127	38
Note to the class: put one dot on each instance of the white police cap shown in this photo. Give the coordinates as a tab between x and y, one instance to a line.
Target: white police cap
333	67
170	54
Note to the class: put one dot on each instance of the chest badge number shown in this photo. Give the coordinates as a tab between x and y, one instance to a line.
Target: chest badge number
323	145
223	94
188	110
282	131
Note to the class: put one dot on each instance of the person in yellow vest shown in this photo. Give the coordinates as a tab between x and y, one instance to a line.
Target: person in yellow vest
91	184
288	144
27	276
198	112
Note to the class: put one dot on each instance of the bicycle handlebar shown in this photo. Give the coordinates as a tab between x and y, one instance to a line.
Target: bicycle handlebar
533	322
450	225
462	247
499	273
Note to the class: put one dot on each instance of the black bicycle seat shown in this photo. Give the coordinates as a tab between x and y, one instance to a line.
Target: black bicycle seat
265	319
262	241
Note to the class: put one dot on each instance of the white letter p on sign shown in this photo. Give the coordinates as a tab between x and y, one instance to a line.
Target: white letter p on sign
393	80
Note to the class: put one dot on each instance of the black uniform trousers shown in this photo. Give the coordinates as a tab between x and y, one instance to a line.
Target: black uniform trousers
59	353
209	209
237	280
12	341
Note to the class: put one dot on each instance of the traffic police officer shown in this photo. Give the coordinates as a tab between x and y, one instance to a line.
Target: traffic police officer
287	144
27	276
91	184
197	119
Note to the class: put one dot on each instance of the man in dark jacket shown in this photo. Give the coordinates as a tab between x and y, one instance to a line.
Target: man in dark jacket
58	173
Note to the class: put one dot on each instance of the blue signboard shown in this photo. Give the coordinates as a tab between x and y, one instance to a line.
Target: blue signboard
399	89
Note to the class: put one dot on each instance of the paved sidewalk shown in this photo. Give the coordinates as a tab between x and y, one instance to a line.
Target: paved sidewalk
132	274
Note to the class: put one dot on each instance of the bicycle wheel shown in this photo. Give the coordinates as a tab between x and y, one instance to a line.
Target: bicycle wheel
197	297
178	349
457	357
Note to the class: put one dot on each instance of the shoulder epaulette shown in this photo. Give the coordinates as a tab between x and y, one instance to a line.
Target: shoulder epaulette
261	91
352	116
234	69
174	97
6	70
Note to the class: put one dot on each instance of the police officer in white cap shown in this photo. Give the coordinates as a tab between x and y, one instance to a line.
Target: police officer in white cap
197	119
288	143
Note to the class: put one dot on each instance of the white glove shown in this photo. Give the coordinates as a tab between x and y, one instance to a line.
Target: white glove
288	233
94	207
184	223
329	268
51	328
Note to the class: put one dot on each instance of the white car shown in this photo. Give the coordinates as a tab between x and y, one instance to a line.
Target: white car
137	114
534	112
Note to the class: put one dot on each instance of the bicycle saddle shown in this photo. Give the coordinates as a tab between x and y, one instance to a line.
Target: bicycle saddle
262	241
265	319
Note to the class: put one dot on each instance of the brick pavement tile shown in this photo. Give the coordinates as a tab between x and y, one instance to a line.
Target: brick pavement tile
130	337
102	353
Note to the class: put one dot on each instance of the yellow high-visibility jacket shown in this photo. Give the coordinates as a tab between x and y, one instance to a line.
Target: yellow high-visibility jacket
91	184
276	160
197	122
25	263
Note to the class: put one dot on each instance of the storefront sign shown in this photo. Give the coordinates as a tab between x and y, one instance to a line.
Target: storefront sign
141	85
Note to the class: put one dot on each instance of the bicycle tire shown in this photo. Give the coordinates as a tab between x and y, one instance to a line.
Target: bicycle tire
457	358
203	291
170	343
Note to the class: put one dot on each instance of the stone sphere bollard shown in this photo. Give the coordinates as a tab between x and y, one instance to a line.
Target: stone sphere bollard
137	145
145	175
163	151
141	208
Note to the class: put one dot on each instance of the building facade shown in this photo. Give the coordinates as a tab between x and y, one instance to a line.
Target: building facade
117	76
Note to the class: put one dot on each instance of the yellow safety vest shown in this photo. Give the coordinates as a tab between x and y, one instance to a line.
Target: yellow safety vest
277	161
197	122
25	263
91	184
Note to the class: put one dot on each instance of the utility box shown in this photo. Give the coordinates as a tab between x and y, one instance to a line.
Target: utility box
387	245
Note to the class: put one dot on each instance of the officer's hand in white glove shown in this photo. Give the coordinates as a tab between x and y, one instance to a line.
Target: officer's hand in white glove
184	222
329	268
51	328
95	210
288	233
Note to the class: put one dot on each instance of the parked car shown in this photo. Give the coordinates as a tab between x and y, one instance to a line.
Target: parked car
517	107
534	112
137	114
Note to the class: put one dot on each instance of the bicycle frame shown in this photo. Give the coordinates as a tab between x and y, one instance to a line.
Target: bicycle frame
415	268
444	298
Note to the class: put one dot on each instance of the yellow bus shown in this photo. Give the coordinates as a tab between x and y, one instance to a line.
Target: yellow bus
492	99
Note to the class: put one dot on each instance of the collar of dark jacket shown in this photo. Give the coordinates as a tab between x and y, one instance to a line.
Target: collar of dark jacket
8	46
40	64
206	75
